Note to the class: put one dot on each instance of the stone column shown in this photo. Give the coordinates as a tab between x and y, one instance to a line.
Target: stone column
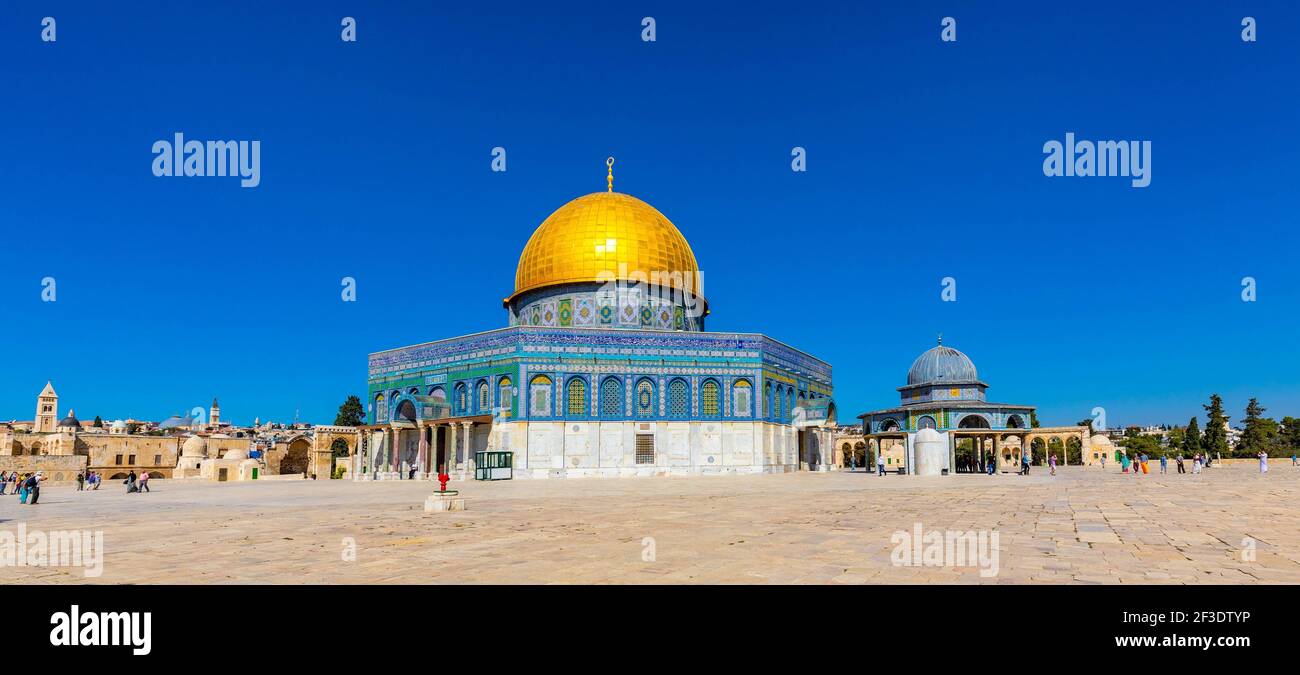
469	450
356	457
451	448
395	456
423	460
997	456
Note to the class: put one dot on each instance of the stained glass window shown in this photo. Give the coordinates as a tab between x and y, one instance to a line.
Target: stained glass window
709	398
645	398
740	395
505	396
678	398
539	396
577	396
611	398
462	399
484	397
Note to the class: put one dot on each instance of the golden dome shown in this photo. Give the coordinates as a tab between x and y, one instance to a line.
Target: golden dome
606	236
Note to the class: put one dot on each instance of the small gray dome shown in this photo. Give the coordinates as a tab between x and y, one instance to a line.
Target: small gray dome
70	421
941	364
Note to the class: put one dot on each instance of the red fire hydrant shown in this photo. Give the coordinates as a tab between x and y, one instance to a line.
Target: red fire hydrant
443	478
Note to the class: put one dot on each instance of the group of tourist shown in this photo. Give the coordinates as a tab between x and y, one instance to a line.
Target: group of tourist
88	481
26	486
1199	461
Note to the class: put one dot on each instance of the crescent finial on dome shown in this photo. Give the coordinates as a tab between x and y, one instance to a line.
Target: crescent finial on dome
610	178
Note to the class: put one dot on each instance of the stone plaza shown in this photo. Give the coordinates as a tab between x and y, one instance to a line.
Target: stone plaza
1229	525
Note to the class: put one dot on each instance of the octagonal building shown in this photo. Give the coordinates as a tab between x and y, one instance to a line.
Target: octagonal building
604	369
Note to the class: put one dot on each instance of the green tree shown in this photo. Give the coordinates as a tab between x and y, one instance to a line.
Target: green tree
1033	419
98	422
1260	431
1289	434
1215	440
1085	423
1176	438
351	413
1192	438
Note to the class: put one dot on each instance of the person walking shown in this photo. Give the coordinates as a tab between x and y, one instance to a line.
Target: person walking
81	481
1051	464
4	482
99	478
35	490
1263	461
23	489
1196	465
853	462
993	466
144	481
130	482
1164	463
1179	462
1103	461
1123	463
880	463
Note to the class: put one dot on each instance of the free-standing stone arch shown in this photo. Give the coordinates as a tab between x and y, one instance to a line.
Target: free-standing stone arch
326	442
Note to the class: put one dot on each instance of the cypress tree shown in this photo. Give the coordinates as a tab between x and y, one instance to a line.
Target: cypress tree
1215	441
1192	438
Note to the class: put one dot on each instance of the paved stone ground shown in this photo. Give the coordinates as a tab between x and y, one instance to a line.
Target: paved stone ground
1083	526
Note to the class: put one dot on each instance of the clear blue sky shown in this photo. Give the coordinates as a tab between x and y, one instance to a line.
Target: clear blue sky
924	161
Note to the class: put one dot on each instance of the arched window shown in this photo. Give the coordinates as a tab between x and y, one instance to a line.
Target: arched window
505	396
925	422
484	397
741	395
539	396
709	398
462	399
438	399
789	401
381	409
776	404
679	398
577	396
973	421
611	398
645	398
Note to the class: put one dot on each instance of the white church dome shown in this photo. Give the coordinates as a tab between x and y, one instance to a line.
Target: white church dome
194	446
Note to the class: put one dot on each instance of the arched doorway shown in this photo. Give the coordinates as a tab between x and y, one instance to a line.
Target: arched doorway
1038	451
296	457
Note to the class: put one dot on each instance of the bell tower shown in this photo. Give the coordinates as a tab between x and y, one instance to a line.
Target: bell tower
47	409
214	415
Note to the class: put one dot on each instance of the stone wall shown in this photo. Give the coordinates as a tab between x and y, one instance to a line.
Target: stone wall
114	454
57	468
